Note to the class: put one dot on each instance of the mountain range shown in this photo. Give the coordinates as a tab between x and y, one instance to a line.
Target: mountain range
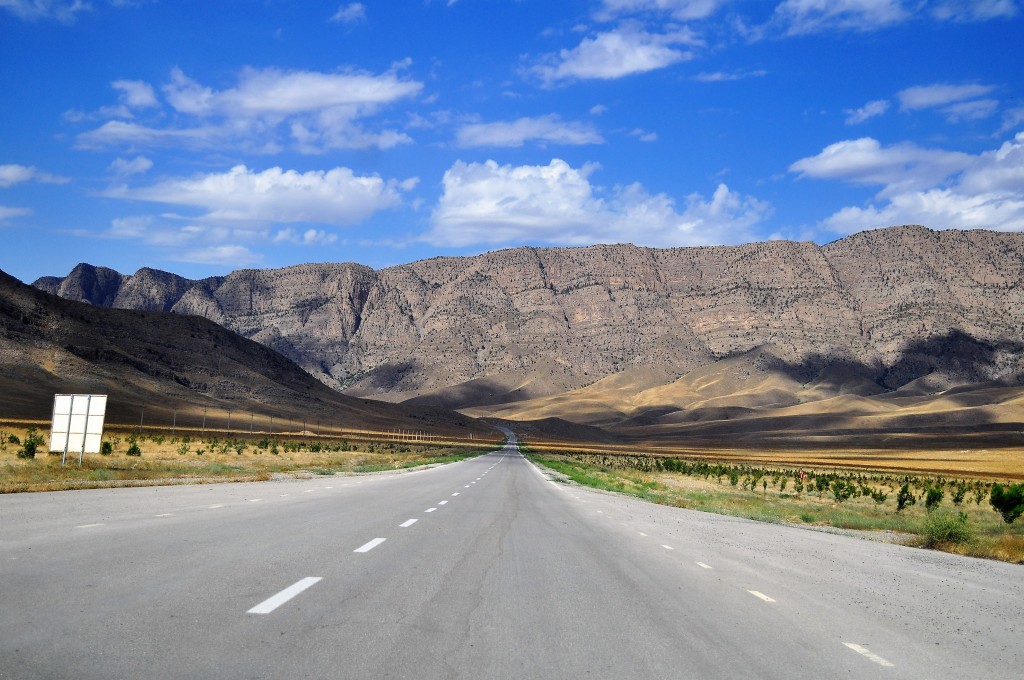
898	330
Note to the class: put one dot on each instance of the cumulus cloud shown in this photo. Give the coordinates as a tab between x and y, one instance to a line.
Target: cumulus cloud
870	110
136	94
944	189
313	110
491	204
12	174
616	54
550	129
247	197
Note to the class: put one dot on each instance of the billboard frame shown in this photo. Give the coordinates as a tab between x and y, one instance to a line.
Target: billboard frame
74	423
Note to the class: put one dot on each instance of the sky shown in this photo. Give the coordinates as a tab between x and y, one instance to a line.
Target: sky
204	136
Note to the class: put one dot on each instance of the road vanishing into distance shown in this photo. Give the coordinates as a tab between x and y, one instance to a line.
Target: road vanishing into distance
484	568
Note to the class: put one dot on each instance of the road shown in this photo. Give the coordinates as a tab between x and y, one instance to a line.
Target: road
478	569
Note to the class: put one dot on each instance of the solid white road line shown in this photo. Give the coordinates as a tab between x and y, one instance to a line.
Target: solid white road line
275	601
430	509
369	546
704	566
869	654
760	595
408	523
89	526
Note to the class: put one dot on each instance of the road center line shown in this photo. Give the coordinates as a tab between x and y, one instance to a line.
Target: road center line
760	595
443	503
430	509
704	566
369	546
89	526
217	505
165	514
254	500
408	523
271	603
642	534
869	654
667	547
456	493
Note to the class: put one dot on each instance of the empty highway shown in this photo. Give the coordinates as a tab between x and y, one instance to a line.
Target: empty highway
478	569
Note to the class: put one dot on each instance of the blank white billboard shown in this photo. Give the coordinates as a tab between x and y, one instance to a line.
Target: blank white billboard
78	422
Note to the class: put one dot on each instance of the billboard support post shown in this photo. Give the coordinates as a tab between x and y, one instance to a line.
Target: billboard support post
76	425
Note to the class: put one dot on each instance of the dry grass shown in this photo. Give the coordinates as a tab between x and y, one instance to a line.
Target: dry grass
167	460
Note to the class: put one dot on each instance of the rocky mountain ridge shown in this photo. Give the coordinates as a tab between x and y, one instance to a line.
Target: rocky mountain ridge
894	306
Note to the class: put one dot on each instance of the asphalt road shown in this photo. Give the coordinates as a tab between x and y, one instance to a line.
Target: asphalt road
478	569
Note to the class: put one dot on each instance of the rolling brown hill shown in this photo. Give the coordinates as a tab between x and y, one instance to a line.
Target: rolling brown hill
644	342
166	363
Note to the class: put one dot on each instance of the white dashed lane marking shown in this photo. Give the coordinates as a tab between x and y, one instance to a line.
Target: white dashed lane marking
369	546
89	526
430	509
443	503
455	494
869	654
704	566
408	523
271	603
216	505
165	514
667	547
760	595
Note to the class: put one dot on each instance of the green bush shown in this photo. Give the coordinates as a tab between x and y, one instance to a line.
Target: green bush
945	527
879	496
32	441
106	448
842	490
933	498
904	498
1008	501
133	446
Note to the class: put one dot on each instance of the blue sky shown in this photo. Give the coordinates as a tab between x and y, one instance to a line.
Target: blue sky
205	136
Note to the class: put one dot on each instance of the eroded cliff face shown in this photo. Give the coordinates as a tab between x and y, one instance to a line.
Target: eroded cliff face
529	322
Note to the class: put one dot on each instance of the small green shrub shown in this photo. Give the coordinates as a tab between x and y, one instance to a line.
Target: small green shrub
945	527
1008	501
13	439
904	498
32	441
106	448
933	498
133	446
879	496
842	490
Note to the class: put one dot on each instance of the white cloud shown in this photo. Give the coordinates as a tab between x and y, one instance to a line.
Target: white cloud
550	129
7	212
310	237
12	174
487	203
865	161
939	94
30	10
643	135
870	110
986	190
349	14
728	76
616	54
124	167
684	10
973	10
598	109
136	94
972	110
225	255
317	111
811	16
246	197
